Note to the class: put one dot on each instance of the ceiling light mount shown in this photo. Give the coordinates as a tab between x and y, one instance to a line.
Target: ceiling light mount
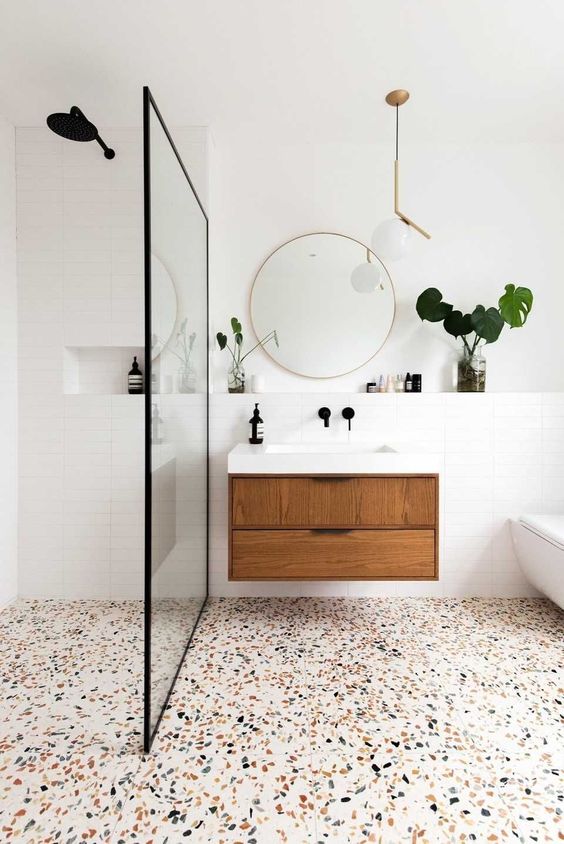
397	97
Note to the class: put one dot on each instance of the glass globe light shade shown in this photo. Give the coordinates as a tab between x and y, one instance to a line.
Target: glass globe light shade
367	277
392	239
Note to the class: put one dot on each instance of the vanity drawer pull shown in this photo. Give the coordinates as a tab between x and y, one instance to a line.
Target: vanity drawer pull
331	478
330	530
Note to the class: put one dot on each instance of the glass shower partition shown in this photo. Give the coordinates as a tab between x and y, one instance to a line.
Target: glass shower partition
176	412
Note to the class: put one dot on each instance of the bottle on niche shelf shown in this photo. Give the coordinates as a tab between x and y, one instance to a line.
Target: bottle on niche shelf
135	379
257	427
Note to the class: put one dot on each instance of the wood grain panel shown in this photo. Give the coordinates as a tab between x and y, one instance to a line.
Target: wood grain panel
325	501
325	555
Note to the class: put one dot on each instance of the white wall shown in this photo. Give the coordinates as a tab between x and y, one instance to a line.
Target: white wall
495	215
494	212
502	456
80	283
8	367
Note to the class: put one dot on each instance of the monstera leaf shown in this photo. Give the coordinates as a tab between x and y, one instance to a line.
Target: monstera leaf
515	305
487	323
236	326
458	324
430	305
221	340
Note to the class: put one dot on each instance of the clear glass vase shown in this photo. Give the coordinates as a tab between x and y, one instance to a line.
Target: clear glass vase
186	379
236	378
471	372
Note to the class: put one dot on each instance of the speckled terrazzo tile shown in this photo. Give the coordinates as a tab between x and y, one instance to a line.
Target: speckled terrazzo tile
535	799
88	716
49	796
302	620
395	702
239	726
517	716
382	675
406	797
429	728
208	799
493	614
250	700
518	635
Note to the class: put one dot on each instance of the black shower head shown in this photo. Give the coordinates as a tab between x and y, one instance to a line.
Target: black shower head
76	127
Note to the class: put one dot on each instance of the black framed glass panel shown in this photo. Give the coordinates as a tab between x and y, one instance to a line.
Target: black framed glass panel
176	412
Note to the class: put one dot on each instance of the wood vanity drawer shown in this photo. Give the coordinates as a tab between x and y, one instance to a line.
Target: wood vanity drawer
332	555
334	501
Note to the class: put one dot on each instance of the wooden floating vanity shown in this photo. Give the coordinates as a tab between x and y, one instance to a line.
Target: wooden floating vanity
333	527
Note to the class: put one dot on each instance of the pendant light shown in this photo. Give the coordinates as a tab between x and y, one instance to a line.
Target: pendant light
393	238
367	277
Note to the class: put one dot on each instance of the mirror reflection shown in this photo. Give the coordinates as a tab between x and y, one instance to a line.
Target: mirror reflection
164	307
331	300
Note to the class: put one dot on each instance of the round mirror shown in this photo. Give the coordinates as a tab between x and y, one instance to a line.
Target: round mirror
330	300
163	306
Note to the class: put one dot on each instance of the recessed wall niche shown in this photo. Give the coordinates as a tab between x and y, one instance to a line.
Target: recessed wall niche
99	370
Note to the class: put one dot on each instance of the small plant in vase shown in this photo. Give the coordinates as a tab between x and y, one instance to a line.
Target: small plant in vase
236	373
183	348
481	326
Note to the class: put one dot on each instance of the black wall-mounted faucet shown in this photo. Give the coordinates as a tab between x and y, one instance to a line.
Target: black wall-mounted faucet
324	413
348	414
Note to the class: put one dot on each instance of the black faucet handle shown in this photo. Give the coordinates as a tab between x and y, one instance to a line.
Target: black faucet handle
324	413
348	414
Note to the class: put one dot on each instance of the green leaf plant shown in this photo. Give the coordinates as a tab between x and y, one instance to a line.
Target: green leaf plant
237	342
483	325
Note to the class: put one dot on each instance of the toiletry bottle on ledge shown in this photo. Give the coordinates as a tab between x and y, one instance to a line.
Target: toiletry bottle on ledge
257	427
156	423
135	379
408	383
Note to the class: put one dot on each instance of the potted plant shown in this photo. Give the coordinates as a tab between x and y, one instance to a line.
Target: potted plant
236	373
483	325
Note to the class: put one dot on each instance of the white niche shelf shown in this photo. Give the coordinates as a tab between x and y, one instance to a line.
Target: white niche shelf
99	370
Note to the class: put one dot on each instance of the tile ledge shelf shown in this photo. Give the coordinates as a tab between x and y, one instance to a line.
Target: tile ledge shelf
99	370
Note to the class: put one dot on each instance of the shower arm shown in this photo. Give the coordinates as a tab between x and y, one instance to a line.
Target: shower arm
108	152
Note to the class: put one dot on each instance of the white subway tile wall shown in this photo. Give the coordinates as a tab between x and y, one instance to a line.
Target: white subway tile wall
81	456
80	299
503	455
8	369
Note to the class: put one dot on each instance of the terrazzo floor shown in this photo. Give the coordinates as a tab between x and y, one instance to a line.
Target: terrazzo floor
293	720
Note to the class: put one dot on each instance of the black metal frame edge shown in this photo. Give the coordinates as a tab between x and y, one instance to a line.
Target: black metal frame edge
148	102
148	480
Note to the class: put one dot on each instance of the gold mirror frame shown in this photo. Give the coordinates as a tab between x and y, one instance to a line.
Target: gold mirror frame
369	252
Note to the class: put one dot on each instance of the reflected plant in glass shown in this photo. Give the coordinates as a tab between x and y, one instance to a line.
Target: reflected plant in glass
183	349
483	325
236	372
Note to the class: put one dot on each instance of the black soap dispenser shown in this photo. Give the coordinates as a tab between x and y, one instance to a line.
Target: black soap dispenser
135	379
257	427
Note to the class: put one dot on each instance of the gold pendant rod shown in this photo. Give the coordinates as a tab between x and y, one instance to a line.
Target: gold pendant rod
397	212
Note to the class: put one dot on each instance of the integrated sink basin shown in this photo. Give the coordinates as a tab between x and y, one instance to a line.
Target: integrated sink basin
323	448
332	458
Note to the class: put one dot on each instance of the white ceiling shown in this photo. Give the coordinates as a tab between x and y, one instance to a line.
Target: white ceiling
477	69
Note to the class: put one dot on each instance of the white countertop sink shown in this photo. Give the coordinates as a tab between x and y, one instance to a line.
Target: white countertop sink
331	458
